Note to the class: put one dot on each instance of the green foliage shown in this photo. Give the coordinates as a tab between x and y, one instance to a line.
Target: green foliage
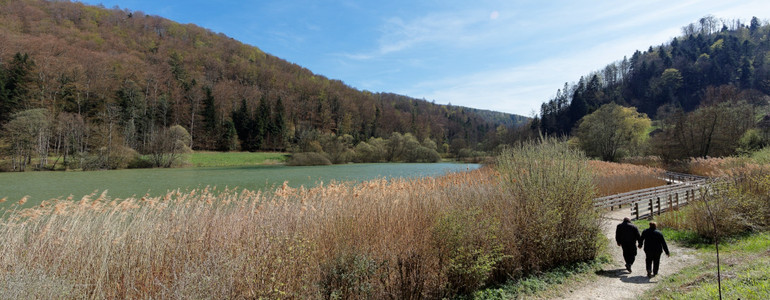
340	149
612	131
535	283
751	141
468	249
762	156
692	71
744	277
349	275
308	159
711	130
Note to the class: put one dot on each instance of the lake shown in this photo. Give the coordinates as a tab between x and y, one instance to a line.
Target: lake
41	186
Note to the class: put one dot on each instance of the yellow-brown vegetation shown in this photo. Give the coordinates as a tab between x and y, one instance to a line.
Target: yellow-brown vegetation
614	178
725	166
399	238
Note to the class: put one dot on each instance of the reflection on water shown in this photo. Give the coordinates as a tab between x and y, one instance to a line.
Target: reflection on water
125	183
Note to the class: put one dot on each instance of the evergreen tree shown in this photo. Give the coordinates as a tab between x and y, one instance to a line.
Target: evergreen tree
228	141
279	123
242	123
262	123
14	80
209	111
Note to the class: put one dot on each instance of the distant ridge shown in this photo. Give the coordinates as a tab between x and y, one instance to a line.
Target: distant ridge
140	73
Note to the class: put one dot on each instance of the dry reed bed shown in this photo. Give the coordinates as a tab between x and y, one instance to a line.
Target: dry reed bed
615	178
725	167
424	238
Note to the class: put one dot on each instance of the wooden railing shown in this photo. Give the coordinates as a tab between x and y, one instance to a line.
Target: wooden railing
646	209
682	177
645	203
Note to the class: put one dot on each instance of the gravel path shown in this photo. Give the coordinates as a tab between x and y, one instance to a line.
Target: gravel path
614	282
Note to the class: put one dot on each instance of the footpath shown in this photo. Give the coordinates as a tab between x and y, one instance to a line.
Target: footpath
613	281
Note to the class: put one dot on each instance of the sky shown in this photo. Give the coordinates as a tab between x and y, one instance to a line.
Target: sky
508	56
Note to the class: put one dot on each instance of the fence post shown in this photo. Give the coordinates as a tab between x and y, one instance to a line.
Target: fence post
670	203
677	200
658	205
636	208
652	210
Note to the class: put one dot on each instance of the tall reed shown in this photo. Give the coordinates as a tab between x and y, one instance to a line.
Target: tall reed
615	178
400	238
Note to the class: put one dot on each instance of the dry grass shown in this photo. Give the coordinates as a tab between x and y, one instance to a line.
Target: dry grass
402	239
738	205
725	166
614	178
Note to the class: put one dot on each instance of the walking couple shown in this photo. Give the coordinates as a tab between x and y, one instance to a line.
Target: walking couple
627	236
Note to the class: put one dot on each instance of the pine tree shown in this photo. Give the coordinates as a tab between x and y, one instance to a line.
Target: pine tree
279	123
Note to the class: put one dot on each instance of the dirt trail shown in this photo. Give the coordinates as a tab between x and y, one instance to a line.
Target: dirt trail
614	282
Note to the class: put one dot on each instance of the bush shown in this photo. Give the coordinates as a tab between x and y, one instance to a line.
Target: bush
422	154
119	157
308	159
468	249
349	276
553	211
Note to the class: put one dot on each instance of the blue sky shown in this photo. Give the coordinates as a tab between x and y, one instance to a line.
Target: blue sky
507	56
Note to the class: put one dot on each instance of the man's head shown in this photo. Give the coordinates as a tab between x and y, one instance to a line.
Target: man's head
653	225
626	220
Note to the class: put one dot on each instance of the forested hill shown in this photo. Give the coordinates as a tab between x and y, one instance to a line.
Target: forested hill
713	61
120	76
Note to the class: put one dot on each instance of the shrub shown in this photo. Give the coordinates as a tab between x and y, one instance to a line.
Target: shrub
350	275
468	249
553	211
308	159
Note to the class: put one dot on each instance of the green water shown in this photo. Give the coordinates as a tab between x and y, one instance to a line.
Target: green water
41	186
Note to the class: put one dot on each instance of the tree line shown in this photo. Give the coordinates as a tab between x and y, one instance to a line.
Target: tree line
116	79
703	91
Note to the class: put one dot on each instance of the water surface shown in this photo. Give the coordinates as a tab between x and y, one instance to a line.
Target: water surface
41	186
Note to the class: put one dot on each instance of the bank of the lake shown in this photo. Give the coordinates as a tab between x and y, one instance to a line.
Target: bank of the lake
235	159
41	186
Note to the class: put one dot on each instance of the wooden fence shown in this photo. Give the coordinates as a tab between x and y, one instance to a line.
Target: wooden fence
674	177
645	203
646	209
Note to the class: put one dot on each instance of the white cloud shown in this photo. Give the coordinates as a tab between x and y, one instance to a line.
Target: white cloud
522	89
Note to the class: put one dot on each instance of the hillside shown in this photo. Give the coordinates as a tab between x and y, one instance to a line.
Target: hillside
714	61
115	78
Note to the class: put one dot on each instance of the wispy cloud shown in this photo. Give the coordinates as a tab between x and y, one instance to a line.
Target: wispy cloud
453	29
521	89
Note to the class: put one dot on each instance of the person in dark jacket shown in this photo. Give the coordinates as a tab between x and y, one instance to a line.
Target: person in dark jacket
626	235
654	247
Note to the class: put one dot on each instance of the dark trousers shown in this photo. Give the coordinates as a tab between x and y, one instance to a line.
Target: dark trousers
654	260
629	253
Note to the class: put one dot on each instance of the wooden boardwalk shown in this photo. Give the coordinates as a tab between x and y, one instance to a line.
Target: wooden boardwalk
644	203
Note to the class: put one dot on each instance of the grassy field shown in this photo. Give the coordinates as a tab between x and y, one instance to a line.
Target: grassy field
234	159
745	268
204	159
